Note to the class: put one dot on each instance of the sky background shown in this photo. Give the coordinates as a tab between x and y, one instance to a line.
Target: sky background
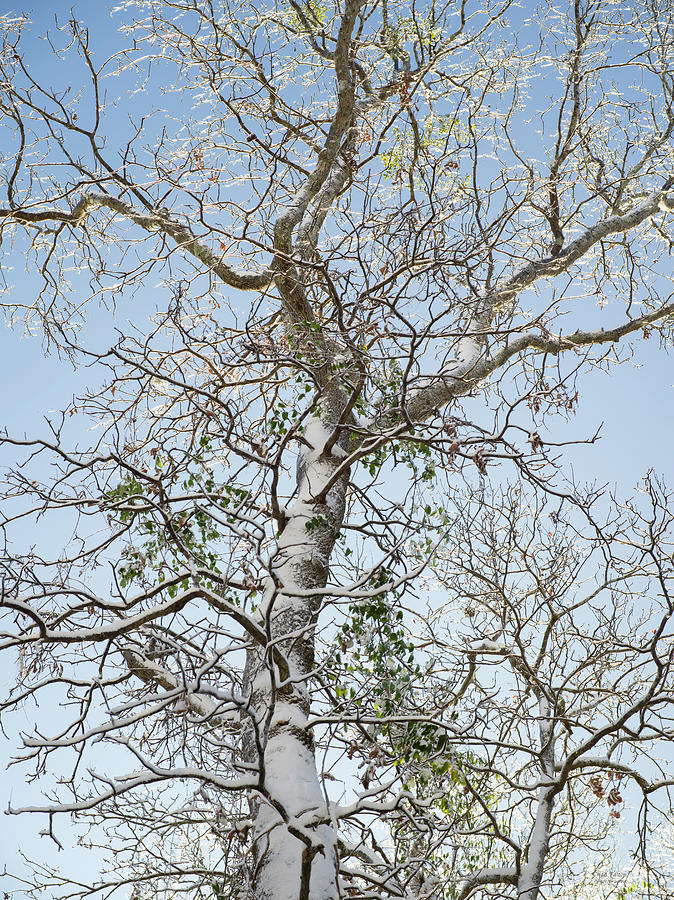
634	406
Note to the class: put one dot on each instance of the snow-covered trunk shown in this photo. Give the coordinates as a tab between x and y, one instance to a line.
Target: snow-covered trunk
531	874
295	855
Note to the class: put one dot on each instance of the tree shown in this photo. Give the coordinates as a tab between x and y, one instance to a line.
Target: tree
361	265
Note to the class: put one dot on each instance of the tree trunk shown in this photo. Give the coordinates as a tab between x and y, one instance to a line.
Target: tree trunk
295	858
531	875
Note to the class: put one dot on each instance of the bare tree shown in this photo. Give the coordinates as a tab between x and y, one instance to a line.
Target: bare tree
377	242
557	670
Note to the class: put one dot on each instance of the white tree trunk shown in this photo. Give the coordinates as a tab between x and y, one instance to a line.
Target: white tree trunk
531	875
296	859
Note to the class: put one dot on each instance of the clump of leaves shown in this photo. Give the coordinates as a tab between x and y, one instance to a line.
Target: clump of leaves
309	16
167	537
410	147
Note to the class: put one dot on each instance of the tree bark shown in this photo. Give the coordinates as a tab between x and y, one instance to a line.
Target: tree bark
295	859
